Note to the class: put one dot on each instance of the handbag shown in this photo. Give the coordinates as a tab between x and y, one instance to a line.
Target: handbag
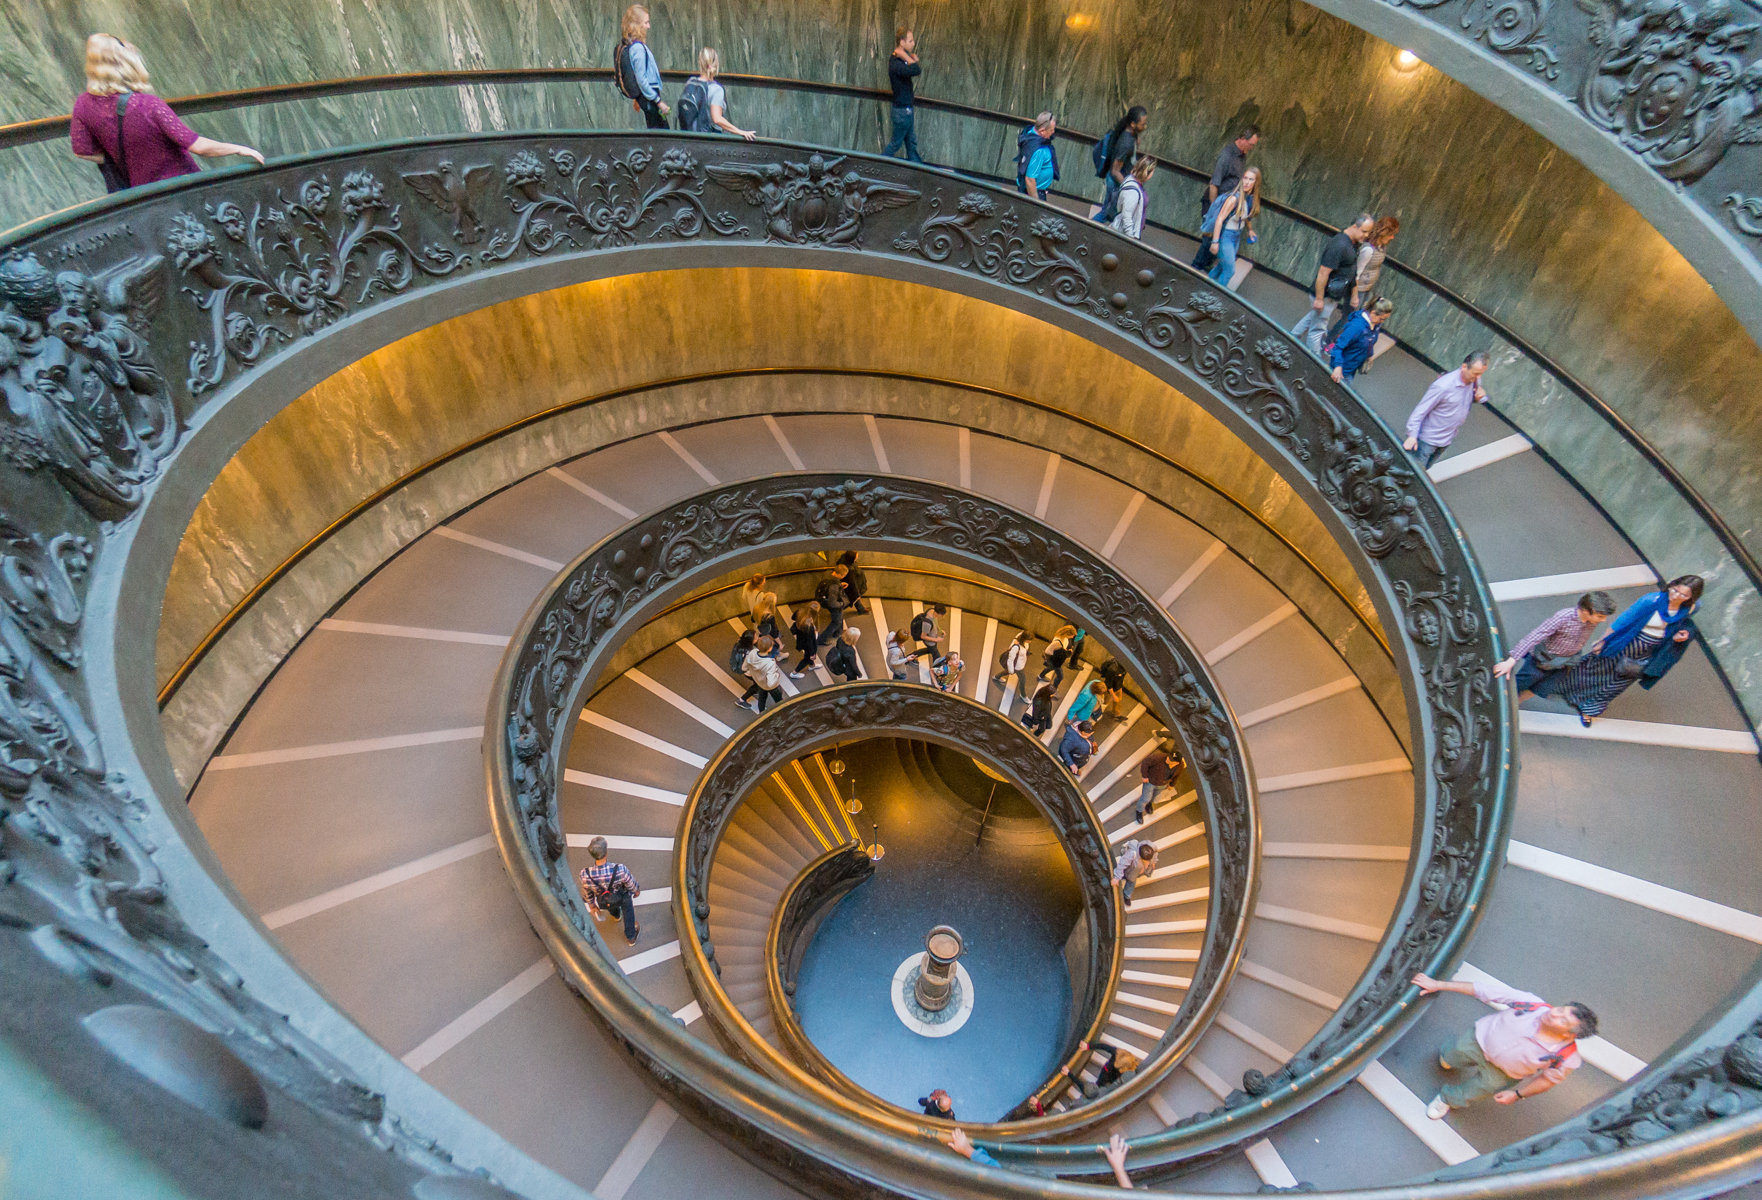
1558	662
116	173
1630	668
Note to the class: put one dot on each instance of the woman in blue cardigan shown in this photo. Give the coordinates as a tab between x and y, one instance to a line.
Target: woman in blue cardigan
1641	644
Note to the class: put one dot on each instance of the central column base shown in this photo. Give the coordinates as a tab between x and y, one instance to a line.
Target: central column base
936	1024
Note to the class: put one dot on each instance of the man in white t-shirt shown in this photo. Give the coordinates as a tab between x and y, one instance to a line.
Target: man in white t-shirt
1510	1055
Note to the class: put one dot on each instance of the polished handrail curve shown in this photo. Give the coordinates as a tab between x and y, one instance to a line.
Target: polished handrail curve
617	585
40	129
849	712
804	904
190	292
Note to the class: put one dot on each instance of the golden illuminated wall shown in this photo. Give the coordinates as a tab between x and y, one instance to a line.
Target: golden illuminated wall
612	341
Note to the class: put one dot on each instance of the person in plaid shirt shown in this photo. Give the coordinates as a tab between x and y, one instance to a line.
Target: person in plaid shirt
609	887
1551	645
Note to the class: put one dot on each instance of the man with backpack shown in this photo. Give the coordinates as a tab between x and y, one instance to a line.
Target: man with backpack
834	599
1012	662
1036	159
1510	1055
924	629
635	71
610	888
1115	155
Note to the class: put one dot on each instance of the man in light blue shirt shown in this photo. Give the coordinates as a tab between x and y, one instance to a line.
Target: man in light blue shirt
1440	413
1036	160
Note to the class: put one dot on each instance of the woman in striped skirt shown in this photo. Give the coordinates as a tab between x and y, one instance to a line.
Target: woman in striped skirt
1642	644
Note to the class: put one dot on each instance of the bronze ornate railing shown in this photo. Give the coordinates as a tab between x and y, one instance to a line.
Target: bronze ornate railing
852	711
804	905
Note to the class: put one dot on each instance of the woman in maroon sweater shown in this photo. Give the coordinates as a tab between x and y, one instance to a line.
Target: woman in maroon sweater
155	145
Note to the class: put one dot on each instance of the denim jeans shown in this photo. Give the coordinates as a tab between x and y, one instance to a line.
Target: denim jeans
1110	199
651	114
1223	271
1148	795
1314	326
622	905
1427	454
903	135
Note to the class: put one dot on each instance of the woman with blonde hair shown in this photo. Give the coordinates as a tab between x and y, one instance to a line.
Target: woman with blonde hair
1232	225
131	134
703	106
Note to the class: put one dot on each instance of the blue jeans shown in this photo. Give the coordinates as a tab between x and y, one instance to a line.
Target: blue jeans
1427	454
1224	269
1314	326
1110	199
623	905
903	135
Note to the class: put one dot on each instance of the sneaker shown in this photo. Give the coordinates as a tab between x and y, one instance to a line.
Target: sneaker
1437	1110
797	674
746	704
1444	1063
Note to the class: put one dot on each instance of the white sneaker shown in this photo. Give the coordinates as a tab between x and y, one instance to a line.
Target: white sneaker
1437	1110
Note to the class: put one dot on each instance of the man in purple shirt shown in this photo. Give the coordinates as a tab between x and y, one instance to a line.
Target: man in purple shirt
1433	424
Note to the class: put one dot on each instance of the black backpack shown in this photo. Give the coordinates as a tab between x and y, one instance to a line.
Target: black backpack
918	627
694	108
831	595
1113	673
856	583
1099	155
624	71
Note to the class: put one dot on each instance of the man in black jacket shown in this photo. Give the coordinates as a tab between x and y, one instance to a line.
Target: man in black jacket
834	599
856	584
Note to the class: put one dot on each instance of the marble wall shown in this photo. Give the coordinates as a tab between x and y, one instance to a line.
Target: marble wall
1488	206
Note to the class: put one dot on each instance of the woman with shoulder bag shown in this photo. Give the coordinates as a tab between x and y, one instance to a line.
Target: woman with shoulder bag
1231	224
1641	644
1133	199
131	134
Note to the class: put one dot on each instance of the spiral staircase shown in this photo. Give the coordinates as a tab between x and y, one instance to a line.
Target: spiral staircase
344	810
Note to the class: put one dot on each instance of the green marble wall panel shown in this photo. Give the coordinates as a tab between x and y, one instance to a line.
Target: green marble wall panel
1488	206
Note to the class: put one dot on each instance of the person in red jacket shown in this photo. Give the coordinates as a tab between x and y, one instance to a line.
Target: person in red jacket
1158	771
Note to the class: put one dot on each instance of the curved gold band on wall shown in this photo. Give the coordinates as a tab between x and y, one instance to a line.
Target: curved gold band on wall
531	367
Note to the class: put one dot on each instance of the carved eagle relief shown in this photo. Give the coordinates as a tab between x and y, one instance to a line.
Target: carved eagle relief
808	202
